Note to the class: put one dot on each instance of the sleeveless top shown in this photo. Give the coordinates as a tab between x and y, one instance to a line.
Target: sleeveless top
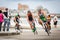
1	17
30	17
17	20
42	17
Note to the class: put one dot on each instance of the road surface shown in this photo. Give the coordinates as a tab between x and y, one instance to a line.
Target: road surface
27	34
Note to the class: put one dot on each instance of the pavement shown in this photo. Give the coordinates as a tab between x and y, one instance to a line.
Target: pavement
12	31
27	34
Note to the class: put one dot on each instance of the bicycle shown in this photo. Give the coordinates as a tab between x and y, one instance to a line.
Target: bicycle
46	27
34	28
18	26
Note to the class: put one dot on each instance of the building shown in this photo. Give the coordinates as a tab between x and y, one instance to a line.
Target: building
2	8
22	7
57	14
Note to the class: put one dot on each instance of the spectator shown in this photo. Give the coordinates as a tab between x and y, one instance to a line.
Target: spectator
1	19
6	20
55	20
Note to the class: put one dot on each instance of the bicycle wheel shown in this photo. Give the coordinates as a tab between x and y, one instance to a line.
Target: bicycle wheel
46	30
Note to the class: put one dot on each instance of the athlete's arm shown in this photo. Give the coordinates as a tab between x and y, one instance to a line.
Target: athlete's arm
38	16
14	19
27	17
40	21
45	14
19	16
33	16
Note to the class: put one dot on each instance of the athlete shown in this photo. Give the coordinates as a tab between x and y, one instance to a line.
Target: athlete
31	21
16	20
42	19
48	21
41	16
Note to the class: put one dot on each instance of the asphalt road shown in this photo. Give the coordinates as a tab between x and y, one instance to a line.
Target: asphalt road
27	34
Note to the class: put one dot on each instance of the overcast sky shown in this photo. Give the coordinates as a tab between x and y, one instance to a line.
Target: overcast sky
52	5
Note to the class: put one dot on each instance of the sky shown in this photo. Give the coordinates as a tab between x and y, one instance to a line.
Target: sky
53	6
